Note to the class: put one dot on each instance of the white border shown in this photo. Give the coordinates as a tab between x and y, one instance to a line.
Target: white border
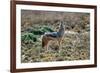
51	64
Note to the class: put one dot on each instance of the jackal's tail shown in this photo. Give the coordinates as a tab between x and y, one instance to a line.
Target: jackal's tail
43	41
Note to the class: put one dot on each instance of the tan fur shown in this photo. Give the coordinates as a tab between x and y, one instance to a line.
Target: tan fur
46	40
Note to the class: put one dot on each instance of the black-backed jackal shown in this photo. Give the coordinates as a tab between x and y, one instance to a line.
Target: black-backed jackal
53	36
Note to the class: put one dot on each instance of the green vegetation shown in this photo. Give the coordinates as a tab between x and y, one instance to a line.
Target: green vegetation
34	34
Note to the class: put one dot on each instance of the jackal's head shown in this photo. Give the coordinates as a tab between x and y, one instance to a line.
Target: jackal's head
61	26
61	29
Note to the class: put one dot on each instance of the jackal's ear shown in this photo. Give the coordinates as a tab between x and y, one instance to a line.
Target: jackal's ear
61	24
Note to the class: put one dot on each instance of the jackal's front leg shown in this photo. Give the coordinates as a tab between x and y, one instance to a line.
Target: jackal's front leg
59	44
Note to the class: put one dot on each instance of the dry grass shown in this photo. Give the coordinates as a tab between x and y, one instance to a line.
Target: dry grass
75	45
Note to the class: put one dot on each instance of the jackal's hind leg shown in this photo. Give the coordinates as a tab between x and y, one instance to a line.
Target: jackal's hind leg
45	43
47	46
